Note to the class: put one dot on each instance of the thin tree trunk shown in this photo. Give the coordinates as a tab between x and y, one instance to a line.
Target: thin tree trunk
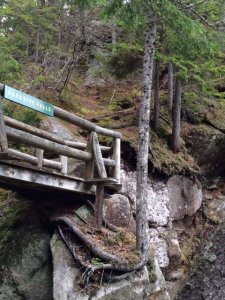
170	86
114	34
156	95
175	139
37	43
142	230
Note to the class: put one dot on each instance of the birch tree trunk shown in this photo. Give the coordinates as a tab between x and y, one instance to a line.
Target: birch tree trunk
156	95
142	229
170	86
175	139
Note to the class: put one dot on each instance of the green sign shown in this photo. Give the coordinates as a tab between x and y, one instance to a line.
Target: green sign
28	101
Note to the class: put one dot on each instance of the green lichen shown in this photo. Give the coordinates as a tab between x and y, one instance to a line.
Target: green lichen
151	274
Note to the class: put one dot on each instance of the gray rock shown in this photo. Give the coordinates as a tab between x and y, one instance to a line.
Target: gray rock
207	279
118	212
174	250
158	289
66	276
158	199
185	197
160	248
215	209
55	126
25	260
176	275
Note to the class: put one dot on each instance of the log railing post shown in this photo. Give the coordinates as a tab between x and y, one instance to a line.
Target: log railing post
64	162
89	167
39	153
3	135
98	157
99	201
115	171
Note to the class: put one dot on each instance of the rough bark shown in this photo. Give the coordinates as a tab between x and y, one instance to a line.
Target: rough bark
156	95
37	43
175	139
142	230
170	86
114	34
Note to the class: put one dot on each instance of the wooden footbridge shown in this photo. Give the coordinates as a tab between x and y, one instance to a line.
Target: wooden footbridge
101	164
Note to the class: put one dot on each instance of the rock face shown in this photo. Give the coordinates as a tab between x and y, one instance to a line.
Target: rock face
25	256
158	200
172	205
66	276
208	140
185	197
173	200
207	281
118	211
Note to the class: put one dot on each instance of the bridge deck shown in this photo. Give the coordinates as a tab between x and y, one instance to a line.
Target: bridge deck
15	175
35	171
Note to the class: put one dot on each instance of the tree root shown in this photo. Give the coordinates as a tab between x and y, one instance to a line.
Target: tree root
105	256
90	269
115	263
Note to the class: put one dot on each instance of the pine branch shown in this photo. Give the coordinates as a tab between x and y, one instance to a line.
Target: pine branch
196	4
198	15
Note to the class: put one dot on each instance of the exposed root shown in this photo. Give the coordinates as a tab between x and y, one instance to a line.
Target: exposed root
112	263
91	269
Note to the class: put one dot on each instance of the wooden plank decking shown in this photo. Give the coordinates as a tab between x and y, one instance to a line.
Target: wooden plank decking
23	170
14	175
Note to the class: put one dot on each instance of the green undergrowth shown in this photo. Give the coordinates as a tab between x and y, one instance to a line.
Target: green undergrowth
22	114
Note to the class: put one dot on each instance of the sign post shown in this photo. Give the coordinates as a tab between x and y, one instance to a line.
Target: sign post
28	101
3	135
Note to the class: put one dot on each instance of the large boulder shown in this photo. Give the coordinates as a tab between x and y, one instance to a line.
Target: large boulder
207	279
67	275
157	197
185	197
25	255
179	197
117	211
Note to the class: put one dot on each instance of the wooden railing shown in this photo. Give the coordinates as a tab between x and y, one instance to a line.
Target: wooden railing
102	163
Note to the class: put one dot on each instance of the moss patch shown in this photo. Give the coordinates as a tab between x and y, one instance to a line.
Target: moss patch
11	217
3	196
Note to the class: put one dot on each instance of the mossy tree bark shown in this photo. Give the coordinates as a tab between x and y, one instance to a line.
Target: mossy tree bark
156	95
170	86
175	139
142	230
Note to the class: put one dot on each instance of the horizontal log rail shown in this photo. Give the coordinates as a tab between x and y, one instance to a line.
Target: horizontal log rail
102	163
47	135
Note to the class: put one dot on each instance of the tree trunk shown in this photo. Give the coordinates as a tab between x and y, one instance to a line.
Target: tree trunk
175	139
37	43
156	95
114	34
142	230
170	86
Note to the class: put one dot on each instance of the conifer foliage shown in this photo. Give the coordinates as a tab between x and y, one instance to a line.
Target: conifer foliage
184	36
